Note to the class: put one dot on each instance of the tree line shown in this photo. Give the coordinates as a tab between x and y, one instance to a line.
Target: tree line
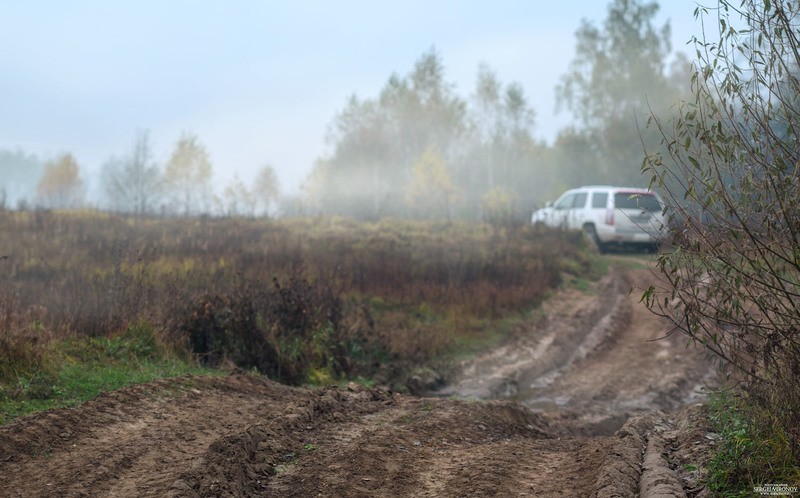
418	149
134	183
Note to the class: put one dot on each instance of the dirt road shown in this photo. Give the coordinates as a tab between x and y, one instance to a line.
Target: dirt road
574	412
596	358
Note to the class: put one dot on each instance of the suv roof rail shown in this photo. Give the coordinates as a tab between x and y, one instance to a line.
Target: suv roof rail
618	187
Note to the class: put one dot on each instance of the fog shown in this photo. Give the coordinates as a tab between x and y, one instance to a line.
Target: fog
268	87
20	174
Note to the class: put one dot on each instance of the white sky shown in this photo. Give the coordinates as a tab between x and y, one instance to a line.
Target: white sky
260	81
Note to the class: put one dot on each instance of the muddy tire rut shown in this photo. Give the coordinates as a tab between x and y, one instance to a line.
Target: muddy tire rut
583	402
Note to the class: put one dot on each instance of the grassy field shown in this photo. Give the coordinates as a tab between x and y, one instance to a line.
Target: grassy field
78	369
751	452
91	301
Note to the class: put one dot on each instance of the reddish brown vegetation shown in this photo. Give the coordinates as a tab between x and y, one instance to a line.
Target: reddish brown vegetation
301	300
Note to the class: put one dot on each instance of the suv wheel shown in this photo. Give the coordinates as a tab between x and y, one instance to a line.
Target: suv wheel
591	236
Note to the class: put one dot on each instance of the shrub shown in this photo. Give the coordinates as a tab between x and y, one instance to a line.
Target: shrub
21	356
732	178
219	328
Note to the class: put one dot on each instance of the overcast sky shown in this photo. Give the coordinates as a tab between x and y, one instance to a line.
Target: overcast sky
260	81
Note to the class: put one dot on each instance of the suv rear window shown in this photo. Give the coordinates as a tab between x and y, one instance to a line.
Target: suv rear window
633	200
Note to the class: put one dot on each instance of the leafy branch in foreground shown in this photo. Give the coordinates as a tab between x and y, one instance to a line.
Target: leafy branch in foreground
732	182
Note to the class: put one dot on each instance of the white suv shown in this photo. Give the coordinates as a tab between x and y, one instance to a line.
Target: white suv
608	215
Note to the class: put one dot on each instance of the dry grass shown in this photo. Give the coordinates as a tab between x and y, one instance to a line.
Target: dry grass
310	299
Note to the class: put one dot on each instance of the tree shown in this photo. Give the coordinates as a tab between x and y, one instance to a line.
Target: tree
19	175
426	109
498	207
574	154
617	78
266	188
358	178
732	281
431	191
617	66
504	125
503	155
187	176
238	200
61	186
317	190
133	182
376	141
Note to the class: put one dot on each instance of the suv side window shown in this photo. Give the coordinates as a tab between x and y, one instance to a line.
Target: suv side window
565	202
580	200
599	199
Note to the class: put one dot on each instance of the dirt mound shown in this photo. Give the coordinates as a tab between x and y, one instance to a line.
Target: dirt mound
242	464
44	432
690	446
138	436
246	464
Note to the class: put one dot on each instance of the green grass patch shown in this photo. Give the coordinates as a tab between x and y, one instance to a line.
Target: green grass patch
749	454
583	284
482	336
635	261
580	276
485	335
82	369
599	266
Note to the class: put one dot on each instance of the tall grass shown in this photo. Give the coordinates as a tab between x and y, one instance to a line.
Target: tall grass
301	300
752	451
73	369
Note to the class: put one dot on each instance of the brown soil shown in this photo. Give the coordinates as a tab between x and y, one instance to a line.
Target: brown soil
583	402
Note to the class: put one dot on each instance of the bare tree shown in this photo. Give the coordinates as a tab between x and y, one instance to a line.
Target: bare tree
237	199
133	182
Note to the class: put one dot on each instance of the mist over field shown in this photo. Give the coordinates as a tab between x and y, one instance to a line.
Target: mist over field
434	135
20	172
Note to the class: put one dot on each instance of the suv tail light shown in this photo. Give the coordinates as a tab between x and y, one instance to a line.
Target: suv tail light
609	216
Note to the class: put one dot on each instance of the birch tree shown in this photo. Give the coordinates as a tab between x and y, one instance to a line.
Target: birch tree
133	182
61	186
187	176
